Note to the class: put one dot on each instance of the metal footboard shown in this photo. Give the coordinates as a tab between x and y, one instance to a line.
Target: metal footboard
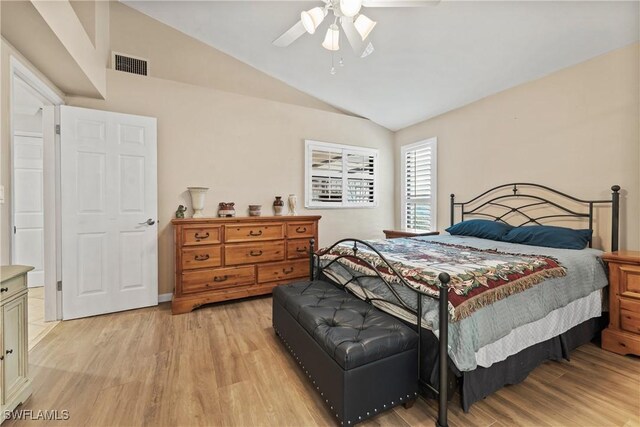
316	269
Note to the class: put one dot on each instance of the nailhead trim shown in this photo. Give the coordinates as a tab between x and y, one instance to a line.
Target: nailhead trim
318	388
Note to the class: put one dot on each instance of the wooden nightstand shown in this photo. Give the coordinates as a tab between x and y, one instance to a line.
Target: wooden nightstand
623	334
394	234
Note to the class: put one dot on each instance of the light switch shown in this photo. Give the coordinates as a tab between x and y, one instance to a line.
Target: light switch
2	194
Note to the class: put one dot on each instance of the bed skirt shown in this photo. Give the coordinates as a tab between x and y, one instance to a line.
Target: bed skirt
481	382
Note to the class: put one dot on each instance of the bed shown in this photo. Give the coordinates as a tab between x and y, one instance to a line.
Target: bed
529	304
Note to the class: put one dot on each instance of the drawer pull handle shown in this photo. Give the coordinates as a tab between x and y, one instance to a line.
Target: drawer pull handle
1	357
287	270
202	236
255	253
4	289
202	257
251	233
301	250
9	351
301	230
220	278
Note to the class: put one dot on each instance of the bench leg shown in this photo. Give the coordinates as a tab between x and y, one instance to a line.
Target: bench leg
409	403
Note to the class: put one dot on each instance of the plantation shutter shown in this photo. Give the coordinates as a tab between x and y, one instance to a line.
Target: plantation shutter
419	176
339	176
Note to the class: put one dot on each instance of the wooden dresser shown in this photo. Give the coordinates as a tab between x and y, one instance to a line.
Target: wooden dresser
15	385
623	334
219	259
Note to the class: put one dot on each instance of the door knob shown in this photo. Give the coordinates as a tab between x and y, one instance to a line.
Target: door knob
148	222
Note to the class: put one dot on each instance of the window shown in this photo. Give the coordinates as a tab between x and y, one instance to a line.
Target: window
340	176
419	186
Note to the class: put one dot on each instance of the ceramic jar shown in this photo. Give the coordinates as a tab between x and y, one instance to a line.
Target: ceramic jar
278	206
255	210
293	204
226	210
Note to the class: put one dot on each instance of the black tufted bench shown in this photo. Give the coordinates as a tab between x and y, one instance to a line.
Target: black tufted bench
361	360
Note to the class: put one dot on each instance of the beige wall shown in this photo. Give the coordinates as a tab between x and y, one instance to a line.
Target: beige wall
247	150
173	55
53	38
576	130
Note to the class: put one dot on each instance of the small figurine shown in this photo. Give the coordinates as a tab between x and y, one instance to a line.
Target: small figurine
180	212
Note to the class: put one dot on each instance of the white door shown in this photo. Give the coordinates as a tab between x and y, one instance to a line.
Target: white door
108	190
28	206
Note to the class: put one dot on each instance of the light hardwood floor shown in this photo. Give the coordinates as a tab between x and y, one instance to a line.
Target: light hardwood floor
38	328
223	365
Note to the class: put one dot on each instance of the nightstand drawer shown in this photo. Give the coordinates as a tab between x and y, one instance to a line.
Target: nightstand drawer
630	315
630	281
630	321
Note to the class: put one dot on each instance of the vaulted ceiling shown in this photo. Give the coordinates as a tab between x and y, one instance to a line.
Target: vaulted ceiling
427	60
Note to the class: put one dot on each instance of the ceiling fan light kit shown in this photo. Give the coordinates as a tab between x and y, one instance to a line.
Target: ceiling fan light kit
364	26
350	8
312	18
355	25
332	39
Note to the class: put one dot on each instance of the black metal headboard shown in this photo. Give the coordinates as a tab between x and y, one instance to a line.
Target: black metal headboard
507	206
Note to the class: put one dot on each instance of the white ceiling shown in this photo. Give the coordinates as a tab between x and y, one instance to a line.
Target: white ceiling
427	60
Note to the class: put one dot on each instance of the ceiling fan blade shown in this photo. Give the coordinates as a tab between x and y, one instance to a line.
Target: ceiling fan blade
399	3
291	35
352	34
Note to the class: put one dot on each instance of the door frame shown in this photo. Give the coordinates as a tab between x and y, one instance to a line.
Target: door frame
51	173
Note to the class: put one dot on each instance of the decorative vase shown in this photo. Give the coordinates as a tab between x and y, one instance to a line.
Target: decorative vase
278	206
293	204
226	210
197	200
255	210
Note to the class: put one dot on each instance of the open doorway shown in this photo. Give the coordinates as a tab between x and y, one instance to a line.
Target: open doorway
32	193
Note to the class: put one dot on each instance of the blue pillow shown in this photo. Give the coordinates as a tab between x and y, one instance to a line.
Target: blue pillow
549	236
482	228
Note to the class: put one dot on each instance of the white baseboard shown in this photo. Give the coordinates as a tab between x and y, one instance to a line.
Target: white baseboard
165	297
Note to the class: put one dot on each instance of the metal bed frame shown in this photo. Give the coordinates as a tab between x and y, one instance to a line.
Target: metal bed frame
316	270
493	199
488	199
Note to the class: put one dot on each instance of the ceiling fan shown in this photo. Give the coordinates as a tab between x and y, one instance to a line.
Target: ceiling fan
355	25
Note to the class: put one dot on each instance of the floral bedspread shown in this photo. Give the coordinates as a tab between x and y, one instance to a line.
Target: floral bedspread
479	277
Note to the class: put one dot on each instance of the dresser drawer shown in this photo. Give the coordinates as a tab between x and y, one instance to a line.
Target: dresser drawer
251	253
219	278
283	271
201	257
253	232
297	230
12	286
298	248
203	235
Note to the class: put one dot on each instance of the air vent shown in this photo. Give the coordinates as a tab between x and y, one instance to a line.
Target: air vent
129	64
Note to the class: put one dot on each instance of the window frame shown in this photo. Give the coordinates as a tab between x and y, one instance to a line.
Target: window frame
310	146
433	142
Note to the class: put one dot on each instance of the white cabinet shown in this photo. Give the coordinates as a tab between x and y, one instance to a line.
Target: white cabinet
15	385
